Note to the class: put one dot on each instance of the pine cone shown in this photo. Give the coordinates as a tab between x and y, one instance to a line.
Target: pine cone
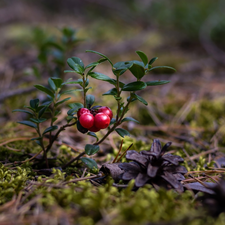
154	167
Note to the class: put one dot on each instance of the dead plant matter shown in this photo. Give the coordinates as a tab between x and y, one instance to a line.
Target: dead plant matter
154	167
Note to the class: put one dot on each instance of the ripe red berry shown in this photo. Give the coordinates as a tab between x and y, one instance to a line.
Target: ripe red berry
82	111
101	120
86	120
94	129
106	110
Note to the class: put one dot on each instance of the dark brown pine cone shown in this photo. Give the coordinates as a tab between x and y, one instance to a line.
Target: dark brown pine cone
154	167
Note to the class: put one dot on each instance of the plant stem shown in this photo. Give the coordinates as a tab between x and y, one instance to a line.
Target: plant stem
84	82
74	159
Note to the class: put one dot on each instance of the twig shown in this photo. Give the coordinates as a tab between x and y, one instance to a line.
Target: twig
124	153
80	179
73	160
121	144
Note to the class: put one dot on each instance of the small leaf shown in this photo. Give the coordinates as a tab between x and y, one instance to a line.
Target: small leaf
42	111
49	129
91	149
76	65
76	105
64	100
90	163
112	121
81	128
122	132
94	64
57	81
51	84
28	123
69	71
79	81
143	57
100	55
103	77
45	90
129	119
162	67
90	99
120	68
134	86
111	92
157	82
93	135
152	60
139	98
137	69
34	103
41	120
23	110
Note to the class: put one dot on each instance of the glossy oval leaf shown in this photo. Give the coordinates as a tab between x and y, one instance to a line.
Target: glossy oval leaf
28	123
75	66
34	103
162	67
76	105
52	84
93	135
157	82
104	56
78	61
90	163
122	132
103	77
62	101
49	129
90	99
45	90
143	57
91	149
120	68
152	60
129	119
81	128
57	81
140	99
23	110
137	69
134	86
112	91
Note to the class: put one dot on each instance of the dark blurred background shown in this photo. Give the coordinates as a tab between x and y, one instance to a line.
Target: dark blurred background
38	36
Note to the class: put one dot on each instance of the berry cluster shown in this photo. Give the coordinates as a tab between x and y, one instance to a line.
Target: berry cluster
95	119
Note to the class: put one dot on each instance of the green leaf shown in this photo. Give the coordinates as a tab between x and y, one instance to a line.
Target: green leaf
69	71
81	128
94	64
40	120
152	60
143	57
137	69
100	55
49	129
79	81
120	68
129	119
45	90
69	91
93	135
112	121
103	77
47	103
162	67
23	110
122	132
64	100
157	82
90	99
42	111
51	84
90	163
91	149
34	103
76	105
28	123
76	64
57	81
134	86
139	98
111	92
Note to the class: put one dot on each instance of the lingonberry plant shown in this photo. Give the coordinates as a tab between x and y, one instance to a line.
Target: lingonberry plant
87	117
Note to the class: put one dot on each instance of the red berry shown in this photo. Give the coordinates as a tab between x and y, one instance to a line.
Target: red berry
86	120
94	129
82	111
106	110
101	120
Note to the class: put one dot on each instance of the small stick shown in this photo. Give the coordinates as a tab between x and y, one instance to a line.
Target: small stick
202	183
121	144
80	179
124	153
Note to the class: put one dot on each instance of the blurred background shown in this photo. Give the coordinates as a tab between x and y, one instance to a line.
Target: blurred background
38	36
